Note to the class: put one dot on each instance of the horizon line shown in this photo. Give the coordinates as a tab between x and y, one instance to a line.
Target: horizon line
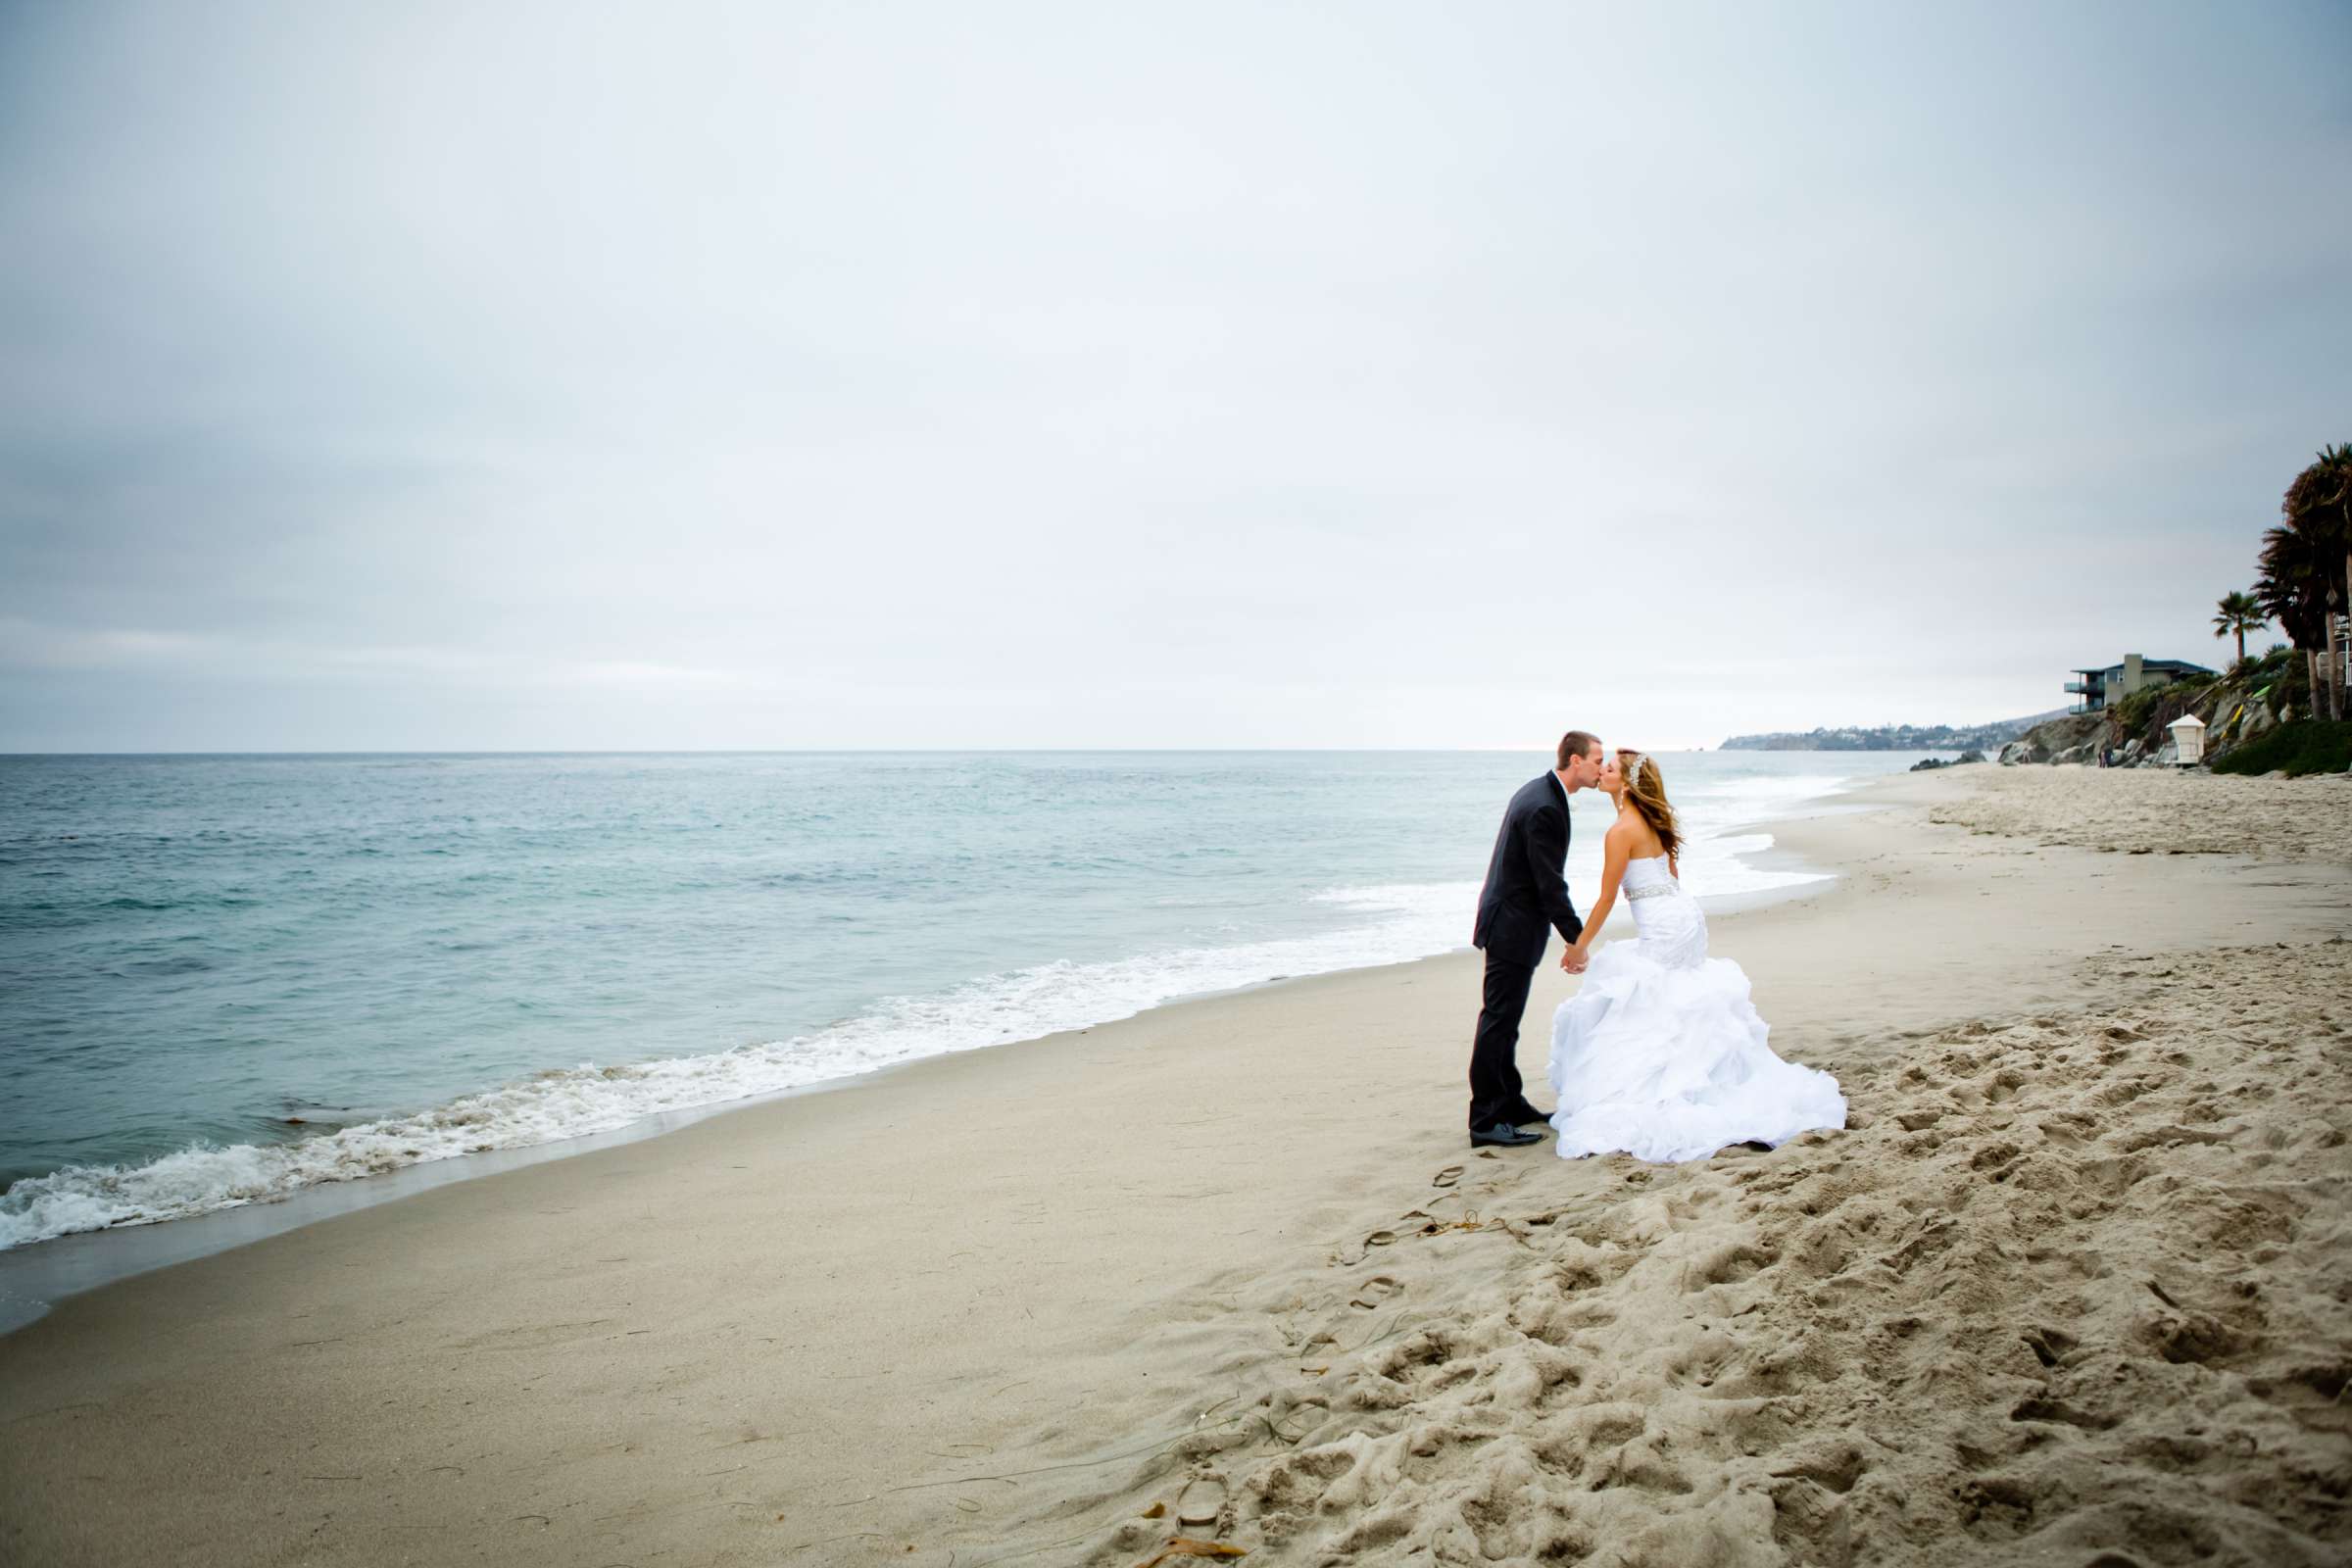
884	751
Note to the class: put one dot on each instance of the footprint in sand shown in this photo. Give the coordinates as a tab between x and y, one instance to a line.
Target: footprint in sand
1834	1465
2049	1346
1377	1291
1201	1502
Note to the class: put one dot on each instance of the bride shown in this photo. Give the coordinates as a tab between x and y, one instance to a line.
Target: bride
1662	1055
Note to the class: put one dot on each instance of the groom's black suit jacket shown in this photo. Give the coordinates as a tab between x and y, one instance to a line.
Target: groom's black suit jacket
1525	889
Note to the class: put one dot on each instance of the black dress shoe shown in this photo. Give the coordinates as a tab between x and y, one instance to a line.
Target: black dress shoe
1528	1113
1502	1135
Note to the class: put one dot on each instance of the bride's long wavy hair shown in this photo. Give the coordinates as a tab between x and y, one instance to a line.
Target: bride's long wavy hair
1646	792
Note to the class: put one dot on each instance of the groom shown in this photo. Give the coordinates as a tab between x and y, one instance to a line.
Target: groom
1525	891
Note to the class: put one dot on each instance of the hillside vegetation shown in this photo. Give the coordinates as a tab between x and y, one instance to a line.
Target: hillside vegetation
2260	697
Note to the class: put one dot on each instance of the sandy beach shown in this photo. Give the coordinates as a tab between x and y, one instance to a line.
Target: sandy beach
2070	1289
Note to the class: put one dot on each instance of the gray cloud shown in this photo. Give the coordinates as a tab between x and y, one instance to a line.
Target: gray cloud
548	375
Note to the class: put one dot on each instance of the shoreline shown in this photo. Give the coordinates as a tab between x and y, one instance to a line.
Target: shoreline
1008	1304
34	1276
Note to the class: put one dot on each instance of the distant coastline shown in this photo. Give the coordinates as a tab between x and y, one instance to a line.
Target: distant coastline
1893	737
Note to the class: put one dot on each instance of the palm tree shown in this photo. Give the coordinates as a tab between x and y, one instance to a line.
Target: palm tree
2292	590
2319	507
2240	614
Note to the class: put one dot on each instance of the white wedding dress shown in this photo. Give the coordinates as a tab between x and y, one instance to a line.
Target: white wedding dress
1662	1055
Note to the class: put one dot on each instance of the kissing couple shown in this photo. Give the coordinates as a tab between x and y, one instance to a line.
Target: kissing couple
1659	1054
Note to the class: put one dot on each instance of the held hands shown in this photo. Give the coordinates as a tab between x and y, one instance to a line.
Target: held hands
1572	958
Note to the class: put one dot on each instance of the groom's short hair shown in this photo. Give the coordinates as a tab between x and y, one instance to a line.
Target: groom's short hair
1575	744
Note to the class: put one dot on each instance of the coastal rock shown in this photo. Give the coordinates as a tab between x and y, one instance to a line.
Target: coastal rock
2079	733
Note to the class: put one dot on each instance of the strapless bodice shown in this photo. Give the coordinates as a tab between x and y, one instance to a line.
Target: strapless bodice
1648	878
1672	929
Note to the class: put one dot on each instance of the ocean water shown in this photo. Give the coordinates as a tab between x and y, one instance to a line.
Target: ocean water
224	979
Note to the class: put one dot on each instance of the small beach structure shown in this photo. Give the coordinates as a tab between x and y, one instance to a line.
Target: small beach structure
2189	739
2101	687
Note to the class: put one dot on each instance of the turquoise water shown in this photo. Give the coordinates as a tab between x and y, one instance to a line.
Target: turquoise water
223	979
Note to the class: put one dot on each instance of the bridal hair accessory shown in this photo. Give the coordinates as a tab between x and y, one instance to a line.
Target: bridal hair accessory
1632	769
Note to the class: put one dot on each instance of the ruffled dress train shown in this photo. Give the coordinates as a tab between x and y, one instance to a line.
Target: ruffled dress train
1662	1055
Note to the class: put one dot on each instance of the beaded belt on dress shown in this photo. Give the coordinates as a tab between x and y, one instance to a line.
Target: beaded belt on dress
1655	891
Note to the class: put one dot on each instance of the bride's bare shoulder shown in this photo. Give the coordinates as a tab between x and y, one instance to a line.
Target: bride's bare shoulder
1634	835
1630	830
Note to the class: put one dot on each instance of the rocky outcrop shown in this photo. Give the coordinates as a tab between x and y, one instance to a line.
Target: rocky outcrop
2056	740
2137	731
1931	764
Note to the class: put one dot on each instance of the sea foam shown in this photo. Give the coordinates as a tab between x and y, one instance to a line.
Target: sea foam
1393	924
1376	924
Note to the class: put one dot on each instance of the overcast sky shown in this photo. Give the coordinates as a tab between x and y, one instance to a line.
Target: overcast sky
502	375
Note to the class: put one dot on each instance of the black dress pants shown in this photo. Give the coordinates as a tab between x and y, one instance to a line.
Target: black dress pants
1495	1091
